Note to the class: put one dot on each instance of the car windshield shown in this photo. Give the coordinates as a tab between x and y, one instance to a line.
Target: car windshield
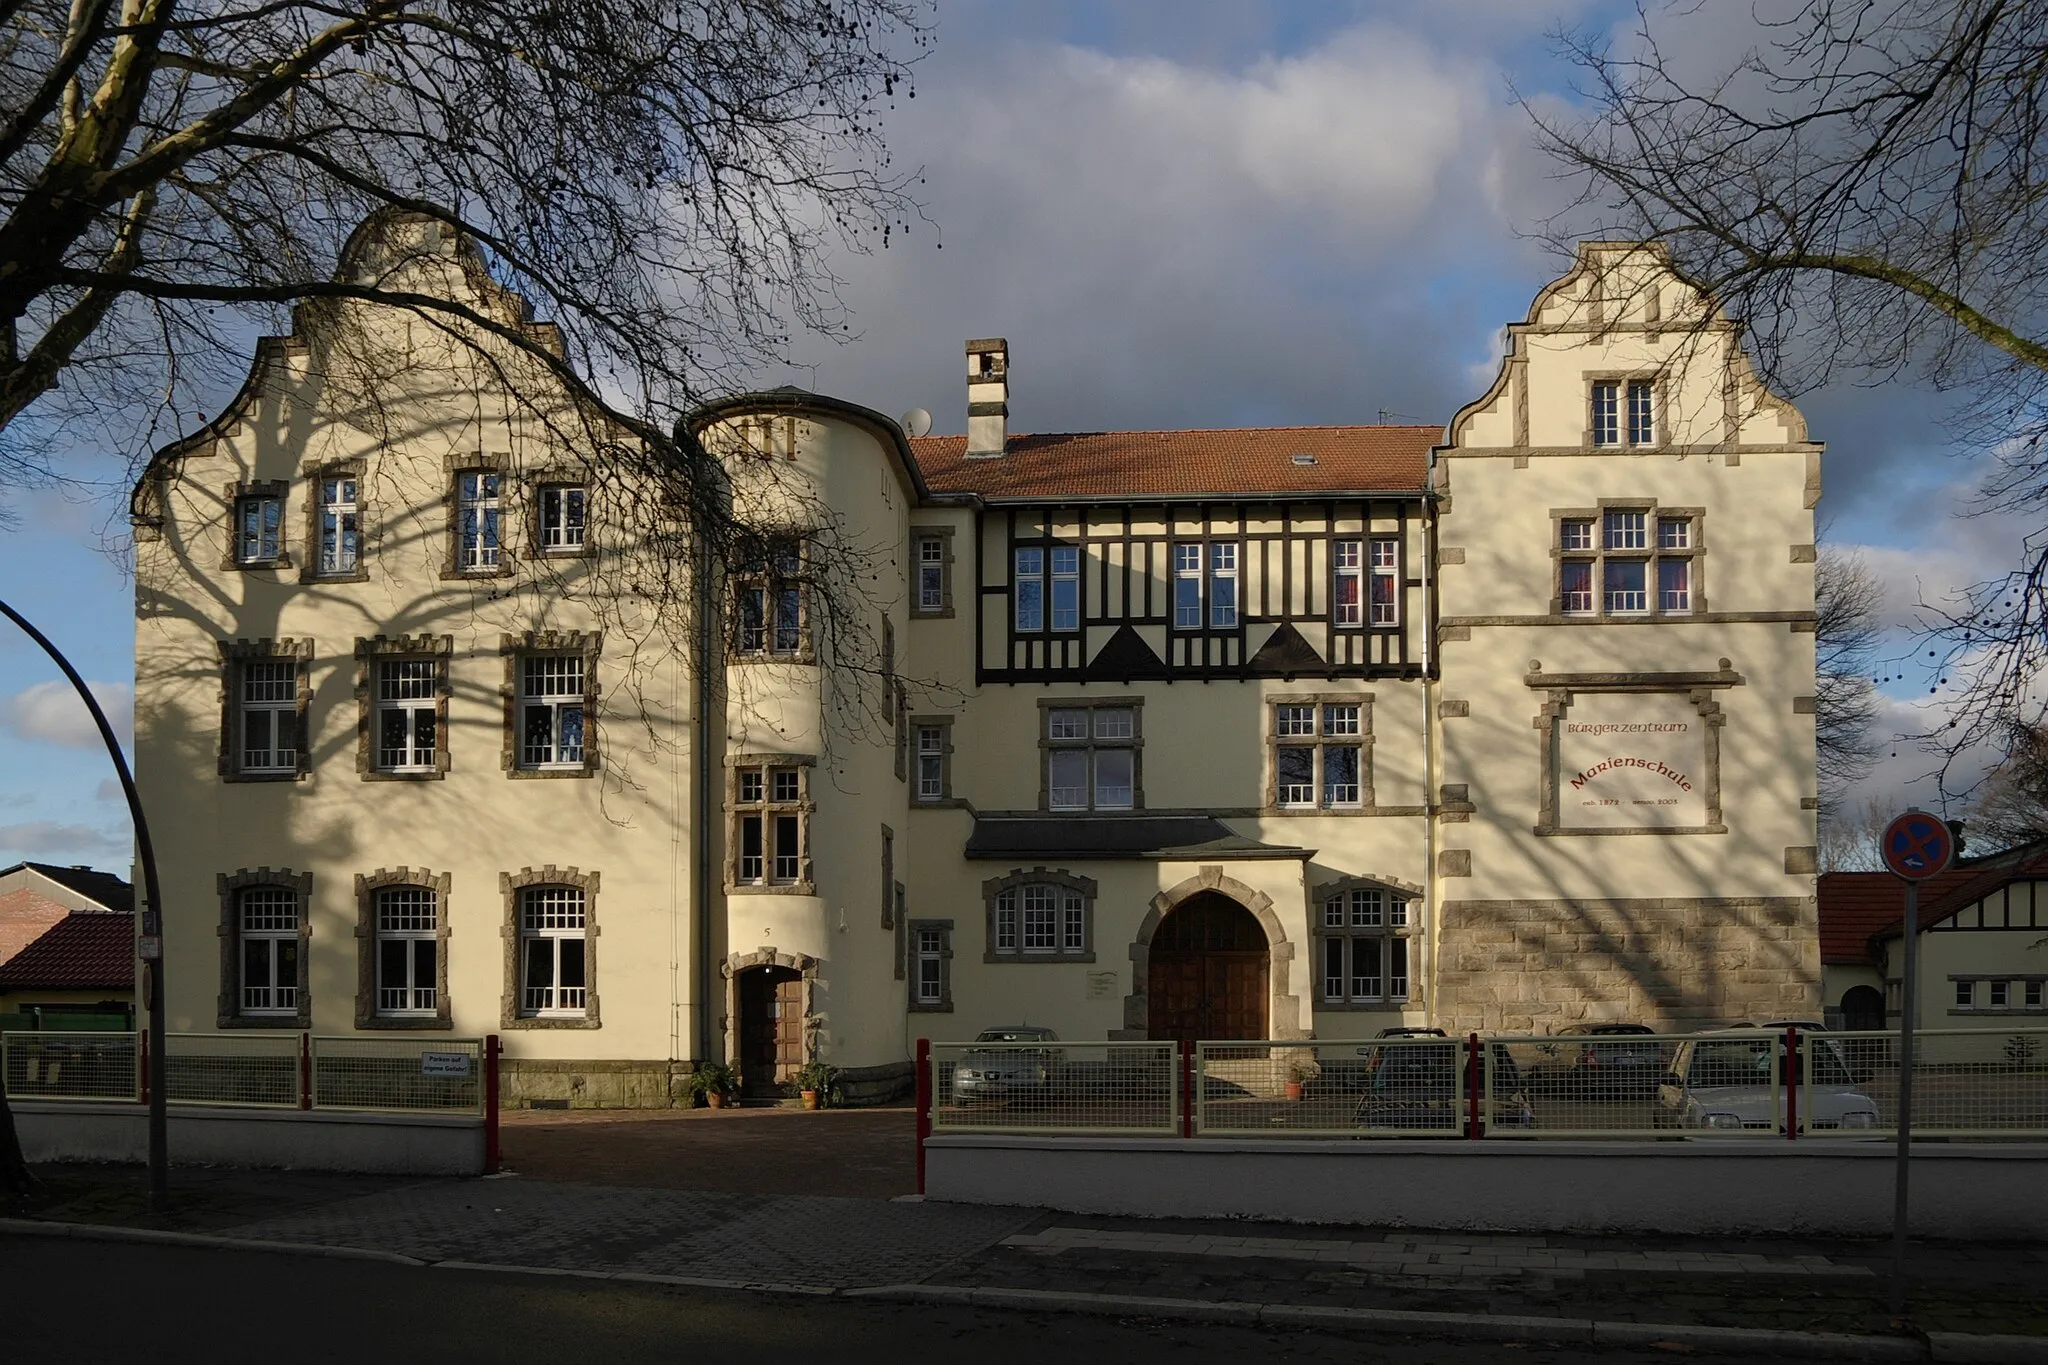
1015	1035
1747	1061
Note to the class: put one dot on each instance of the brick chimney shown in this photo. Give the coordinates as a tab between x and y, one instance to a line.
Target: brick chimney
988	398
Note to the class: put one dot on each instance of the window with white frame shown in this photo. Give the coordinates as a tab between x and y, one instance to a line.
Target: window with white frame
1631	561
268	717
1318	754
1642	412
554	968
1047	586
1347	593
562	510
338	524
1608	396
1040	917
406	723
931	965
268	919
408	949
1091	756
552	698
934	736
1363	945
1205	585
1606	412
478	510
259	528
933	562
1187	587
769	802
1386	582
771	602
1966	994
1027	585
1222	585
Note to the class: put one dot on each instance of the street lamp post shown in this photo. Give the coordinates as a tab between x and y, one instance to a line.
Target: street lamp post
150	943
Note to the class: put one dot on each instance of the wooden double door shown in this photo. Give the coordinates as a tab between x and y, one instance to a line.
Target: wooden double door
1206	973
771	1029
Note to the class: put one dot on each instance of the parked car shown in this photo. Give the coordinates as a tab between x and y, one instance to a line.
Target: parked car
1611	1060
1421	1084
1020	1069
1728	1083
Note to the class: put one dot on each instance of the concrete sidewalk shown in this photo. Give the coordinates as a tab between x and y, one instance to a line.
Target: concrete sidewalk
1775	1298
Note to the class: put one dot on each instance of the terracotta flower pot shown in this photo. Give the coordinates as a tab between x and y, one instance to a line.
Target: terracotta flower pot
810	1098
715	1099
1294	1090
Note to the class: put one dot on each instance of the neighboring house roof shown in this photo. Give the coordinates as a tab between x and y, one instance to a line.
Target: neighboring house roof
1250	461
86	950
1859	908
102	888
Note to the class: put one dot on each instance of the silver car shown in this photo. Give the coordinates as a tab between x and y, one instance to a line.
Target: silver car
1735	1082
1018	1067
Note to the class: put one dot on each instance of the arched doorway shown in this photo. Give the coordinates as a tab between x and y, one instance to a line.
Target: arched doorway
1862	1009
771	1008
1206	972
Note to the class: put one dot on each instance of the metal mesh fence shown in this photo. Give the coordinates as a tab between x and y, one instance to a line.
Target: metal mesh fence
417	1075
1394	1087
70	1066
232	1068
1055	1087
1966	1083
1610	1082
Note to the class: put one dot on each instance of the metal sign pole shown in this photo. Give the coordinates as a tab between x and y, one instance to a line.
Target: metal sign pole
1907	1004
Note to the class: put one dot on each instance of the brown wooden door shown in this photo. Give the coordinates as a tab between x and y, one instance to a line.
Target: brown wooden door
1206	973
771	1029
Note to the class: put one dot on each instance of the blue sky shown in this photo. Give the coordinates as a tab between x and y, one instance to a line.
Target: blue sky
1181	213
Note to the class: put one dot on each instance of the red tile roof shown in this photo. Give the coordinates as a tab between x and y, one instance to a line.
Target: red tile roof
1856	907
86	950
1175	463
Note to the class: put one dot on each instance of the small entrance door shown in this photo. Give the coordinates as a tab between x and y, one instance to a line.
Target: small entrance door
1206	972
771	1029
1862	1008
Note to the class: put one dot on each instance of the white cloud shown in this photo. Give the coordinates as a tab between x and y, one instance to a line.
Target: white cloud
51	712
50	840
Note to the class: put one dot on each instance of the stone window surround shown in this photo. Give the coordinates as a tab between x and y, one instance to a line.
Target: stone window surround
2015	999
944	725
367	887
739	577
944	535
1660	414
474	462
1136	744
228	1013
1696	553
556	476
993	889
232	494
511	884
804	966
235	653
944	1004
515	649
1559	689
368	653
888	878
1414	931
804	809
314	471
1269	793
1283	1009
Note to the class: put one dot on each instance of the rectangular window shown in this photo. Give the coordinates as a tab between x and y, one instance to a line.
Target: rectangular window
1606	413
931	573
551	703
1674	533
1029	581
1040	919
1386	583
1365	948
1625	531
931	966
269	918
407	718
477	544
1091	759
768	802
408	921
270	716
1066	588
1222	586
1622	585
931	762
1642	413
554	978
259	528
563	508
771	602
2033	994
1674	585
1575	535
1575	586
1346	597
340	524
1643	563
2000	993
1966	994
1318	755
1187	587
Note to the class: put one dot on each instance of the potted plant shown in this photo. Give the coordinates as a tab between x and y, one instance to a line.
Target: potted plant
714	1081
809	1083
1300	1071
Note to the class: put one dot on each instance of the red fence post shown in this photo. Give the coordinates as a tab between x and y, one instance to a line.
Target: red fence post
1473	1084
491	1152
1791	1083
924	1104
305	1071
1187	1087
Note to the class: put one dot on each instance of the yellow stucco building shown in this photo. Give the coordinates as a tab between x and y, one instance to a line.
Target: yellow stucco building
1267	733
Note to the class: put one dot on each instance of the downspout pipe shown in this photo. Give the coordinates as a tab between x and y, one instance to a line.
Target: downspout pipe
703	747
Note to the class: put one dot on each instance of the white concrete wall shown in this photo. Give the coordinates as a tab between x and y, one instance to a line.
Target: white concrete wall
1710	1187
288	1139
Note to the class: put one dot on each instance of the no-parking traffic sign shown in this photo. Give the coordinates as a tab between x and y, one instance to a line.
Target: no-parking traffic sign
1917	846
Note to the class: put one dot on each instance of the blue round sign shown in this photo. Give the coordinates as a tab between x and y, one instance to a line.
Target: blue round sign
1917	846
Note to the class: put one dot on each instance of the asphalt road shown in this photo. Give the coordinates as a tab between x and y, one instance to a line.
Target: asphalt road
103	1301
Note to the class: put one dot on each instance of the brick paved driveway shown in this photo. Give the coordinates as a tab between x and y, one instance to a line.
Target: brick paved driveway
853	1153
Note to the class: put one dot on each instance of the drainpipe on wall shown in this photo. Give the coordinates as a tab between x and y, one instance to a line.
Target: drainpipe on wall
704	590
1429	783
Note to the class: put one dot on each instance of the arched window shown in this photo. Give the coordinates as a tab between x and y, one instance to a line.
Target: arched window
265	925
1040	916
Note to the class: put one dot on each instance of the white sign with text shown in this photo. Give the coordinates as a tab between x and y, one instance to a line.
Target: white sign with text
1631	760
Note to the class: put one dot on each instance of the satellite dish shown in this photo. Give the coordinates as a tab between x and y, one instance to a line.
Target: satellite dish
917	422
